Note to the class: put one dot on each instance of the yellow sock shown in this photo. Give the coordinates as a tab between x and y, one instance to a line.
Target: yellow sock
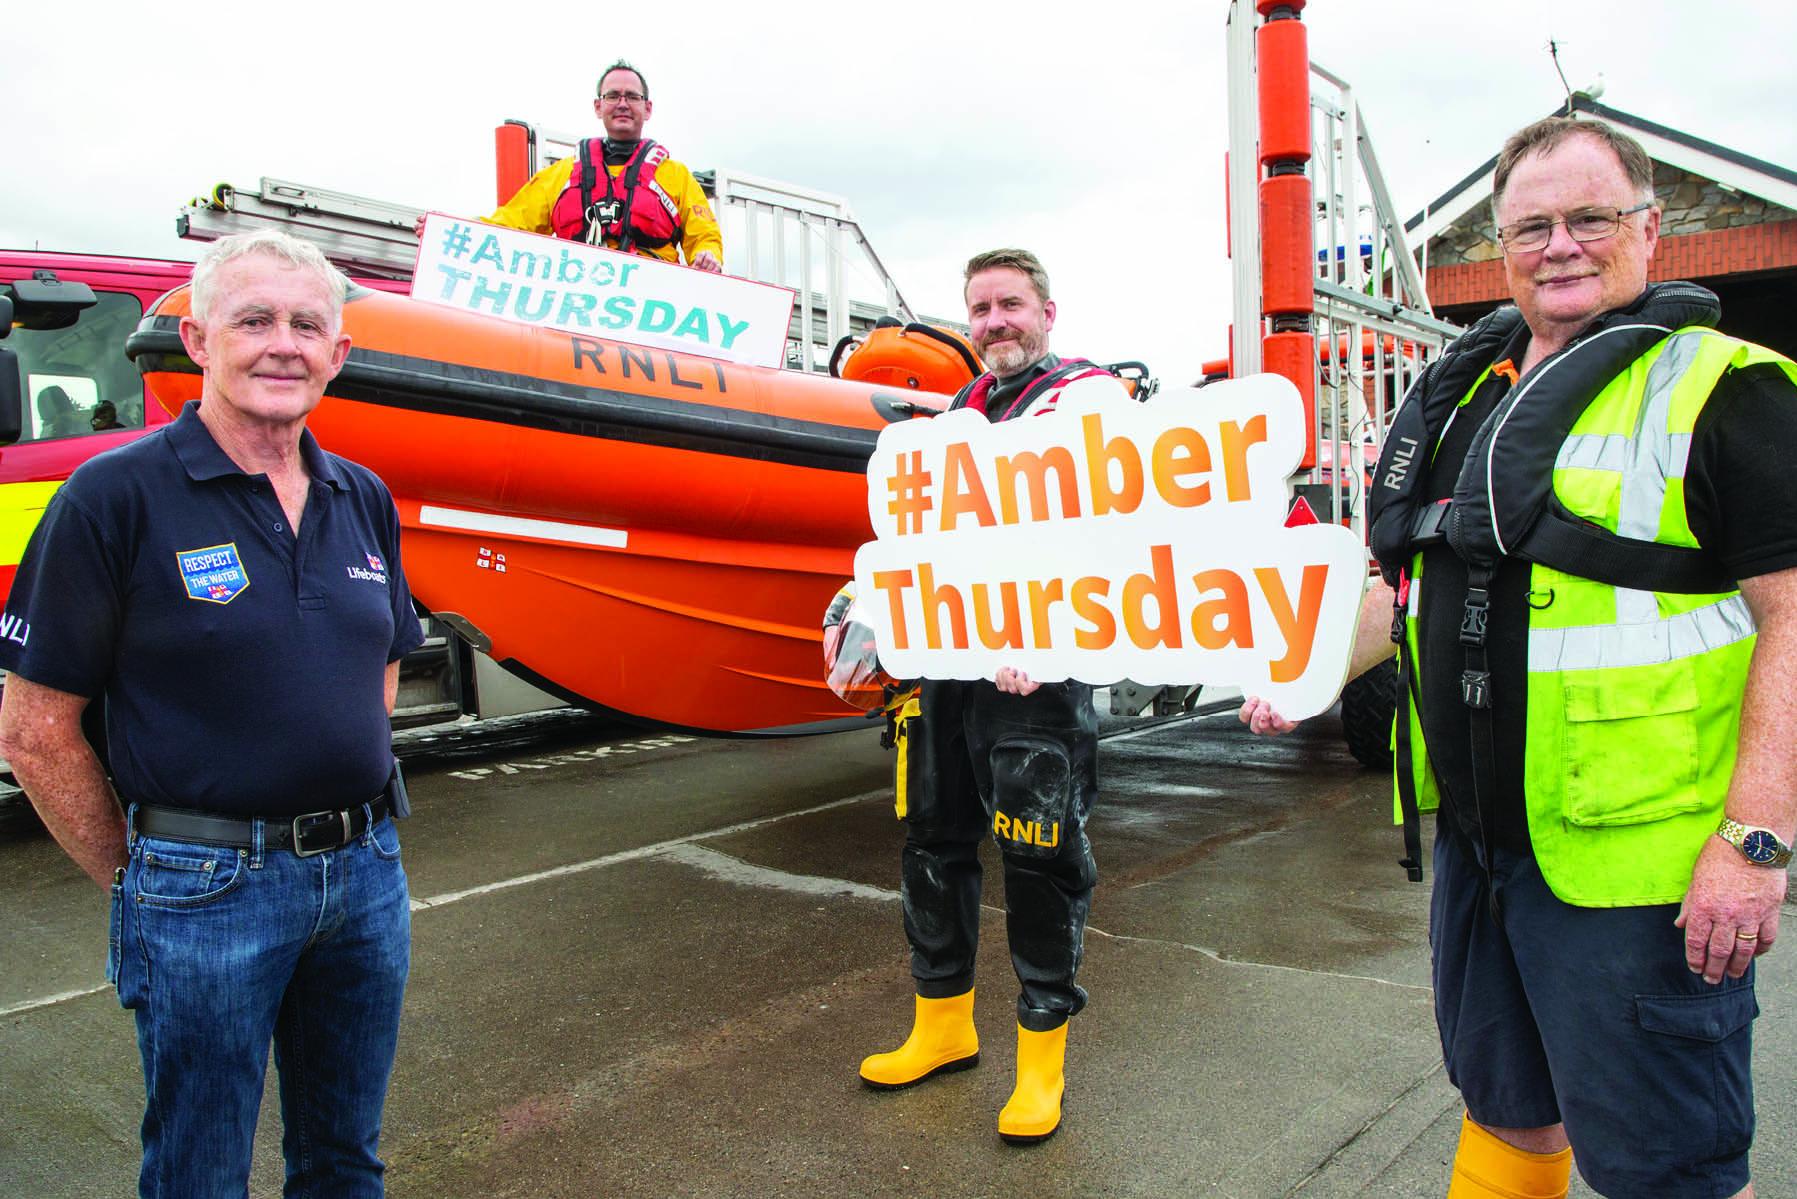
1488	1168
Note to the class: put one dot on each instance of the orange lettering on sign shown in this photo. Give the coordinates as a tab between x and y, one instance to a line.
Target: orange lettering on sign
945	598
962	490
1178	453
1300	628
1042	596
1009	635
1236	440
1161	588
1217	623
1086	593
893	583
1100	454
1035	467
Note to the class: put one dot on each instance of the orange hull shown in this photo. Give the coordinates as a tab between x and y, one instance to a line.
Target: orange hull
641	531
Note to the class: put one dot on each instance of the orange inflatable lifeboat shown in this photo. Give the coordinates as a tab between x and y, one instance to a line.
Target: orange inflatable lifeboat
637	530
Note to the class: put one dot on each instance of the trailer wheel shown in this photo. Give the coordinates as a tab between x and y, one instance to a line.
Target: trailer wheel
17	817
1368	706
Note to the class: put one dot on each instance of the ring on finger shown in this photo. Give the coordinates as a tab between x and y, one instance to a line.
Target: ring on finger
1741	936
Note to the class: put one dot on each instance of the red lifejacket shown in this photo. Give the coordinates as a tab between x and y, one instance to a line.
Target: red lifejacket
585	213
1048	385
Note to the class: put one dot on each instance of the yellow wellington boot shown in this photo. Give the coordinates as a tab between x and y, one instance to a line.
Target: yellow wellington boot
1487	1168
942	1040
1034	1109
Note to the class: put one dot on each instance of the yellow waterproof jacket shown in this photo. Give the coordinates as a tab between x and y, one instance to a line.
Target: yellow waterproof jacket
529	209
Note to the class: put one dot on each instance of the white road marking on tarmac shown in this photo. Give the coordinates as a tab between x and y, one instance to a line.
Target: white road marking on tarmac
572	757
727	869
660	848
60	997
713	863
1221	960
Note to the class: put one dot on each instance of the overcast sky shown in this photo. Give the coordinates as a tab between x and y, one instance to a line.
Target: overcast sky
1092	134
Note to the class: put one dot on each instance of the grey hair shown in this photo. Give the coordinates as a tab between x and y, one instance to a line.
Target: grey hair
1546	135
1014	259
276	244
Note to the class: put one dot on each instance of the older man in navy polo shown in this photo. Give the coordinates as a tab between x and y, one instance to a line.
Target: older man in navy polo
234	594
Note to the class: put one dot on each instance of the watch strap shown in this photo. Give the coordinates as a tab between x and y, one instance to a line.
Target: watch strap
1736	834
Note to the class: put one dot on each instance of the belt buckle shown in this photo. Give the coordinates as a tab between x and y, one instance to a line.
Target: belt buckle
342	818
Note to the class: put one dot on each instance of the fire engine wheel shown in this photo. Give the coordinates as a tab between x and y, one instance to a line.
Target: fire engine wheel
1368	704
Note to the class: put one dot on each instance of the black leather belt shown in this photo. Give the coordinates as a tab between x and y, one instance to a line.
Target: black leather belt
315	832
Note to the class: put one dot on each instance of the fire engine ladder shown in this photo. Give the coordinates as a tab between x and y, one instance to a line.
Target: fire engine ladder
1354	328
363	236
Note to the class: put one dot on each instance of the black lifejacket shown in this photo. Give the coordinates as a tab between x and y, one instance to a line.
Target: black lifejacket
1504	504
1516	447
974	395
633	211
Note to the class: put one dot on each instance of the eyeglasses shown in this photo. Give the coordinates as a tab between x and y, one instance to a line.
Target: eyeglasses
1587	224
614	97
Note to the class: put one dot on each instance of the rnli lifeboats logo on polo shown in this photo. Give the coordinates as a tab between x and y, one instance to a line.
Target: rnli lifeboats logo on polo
214	574
374	572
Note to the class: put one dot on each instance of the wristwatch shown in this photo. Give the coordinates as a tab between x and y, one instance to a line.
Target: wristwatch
1761	846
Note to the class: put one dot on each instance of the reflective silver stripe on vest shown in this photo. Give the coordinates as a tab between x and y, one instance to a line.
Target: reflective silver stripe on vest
1595	451
1636	607
1599	647
1651	458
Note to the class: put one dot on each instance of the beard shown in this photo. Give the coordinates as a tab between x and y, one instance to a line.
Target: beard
1009	357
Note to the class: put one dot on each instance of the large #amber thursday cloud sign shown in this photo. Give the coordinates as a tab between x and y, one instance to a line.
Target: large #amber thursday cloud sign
1110	539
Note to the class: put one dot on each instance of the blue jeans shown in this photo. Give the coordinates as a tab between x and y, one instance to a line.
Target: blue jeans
218	951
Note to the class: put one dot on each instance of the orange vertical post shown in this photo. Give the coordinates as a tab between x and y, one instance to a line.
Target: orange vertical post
511	160
1287	250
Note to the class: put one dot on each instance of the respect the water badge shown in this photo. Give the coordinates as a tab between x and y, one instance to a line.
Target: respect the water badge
214	575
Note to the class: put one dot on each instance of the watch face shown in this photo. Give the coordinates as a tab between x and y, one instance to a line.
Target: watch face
1760	846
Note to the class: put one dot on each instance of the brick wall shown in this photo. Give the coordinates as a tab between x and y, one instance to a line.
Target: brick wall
1684	256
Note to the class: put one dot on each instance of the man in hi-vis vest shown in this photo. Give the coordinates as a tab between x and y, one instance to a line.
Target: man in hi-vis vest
1589	543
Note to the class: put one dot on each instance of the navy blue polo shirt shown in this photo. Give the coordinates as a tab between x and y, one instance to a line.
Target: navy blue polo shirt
242	667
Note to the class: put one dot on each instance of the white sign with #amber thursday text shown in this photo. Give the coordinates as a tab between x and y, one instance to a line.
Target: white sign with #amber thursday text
578	288
1110	539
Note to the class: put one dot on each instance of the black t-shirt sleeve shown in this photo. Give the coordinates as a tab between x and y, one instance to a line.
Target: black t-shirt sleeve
62	618
1740	483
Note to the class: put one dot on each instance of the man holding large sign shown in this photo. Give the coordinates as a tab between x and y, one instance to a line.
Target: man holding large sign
1117	540
1014	758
